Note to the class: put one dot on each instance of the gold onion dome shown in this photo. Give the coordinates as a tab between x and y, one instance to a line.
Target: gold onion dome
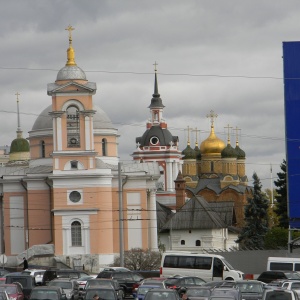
188	152
212	145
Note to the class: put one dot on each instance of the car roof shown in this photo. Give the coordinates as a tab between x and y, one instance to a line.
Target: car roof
47	287
149	285
64	279
163	290
98	288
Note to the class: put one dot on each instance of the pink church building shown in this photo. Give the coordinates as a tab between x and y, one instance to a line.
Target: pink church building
72	191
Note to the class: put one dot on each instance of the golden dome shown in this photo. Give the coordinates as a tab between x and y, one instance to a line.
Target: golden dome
212	145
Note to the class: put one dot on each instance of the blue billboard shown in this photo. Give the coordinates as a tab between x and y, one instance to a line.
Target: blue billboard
291	71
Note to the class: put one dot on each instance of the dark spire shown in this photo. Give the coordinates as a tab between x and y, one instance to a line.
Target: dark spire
156	101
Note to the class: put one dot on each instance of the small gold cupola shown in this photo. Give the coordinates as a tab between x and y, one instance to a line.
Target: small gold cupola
70	51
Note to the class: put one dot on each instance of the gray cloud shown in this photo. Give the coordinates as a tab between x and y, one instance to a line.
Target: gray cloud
117	42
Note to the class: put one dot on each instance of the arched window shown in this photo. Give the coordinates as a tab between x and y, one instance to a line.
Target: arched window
198	243
76	233
211	166
73	127
182	242
104	147
43	153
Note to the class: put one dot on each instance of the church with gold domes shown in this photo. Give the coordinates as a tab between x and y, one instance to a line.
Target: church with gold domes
217	172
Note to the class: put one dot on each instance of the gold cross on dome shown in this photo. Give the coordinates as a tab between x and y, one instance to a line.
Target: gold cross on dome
70	29
212	116
155	66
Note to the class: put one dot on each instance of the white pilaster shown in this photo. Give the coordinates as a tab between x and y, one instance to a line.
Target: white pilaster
87	132
153	220
169	176
59	134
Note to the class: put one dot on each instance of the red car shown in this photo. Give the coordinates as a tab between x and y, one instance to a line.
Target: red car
14	291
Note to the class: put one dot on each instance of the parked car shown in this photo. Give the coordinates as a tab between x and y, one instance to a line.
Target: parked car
36	273
269	276
291	284
82	282
157	281
183	281
128	280
224	283
142	290
70	287
279	294
13	290
47	293
99	282
250	289
224	292
166	294
198	292
27	282
105	293
61	273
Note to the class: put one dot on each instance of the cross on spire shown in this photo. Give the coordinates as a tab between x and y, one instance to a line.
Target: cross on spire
155	66
70	29
228	133
18	112
188	130
196	130
212	116
237	135
17	94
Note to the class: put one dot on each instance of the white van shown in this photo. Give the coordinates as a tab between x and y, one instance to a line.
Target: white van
206	266
283	264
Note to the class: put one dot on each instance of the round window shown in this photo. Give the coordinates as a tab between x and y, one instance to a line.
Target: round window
75	196
154	140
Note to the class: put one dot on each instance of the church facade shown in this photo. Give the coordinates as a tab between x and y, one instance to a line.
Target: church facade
72	191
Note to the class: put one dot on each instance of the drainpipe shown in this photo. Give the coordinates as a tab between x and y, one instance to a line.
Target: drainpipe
23	183
2	224
48	182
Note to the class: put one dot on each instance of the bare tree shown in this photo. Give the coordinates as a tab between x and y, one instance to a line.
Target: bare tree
139	259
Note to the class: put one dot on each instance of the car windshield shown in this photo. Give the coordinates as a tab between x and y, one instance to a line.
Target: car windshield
292	275
103	294
63	284
250	287
230	267
97	283
152	295
278	295
44	295
198	292
142	290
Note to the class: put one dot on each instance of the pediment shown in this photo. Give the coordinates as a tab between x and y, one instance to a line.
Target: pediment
71	87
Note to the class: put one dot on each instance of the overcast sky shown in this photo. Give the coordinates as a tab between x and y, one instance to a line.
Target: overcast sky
218	55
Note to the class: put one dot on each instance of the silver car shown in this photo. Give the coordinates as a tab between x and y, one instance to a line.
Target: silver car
70	287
